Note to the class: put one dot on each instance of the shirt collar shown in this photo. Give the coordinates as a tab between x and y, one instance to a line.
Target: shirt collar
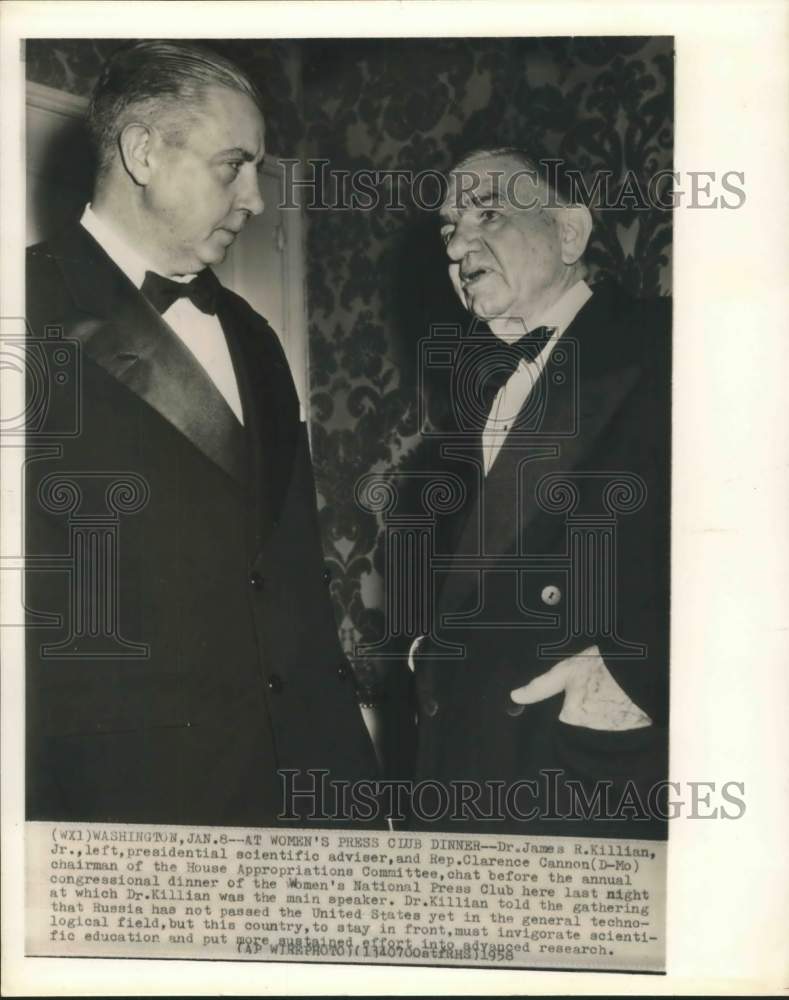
132	263
561	314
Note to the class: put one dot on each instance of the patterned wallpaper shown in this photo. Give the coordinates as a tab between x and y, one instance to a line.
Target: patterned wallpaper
376	279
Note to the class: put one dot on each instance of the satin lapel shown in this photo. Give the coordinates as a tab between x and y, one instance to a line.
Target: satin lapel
507	506
133	344
271	408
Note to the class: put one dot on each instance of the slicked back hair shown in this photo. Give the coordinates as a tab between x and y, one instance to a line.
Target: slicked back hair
155	81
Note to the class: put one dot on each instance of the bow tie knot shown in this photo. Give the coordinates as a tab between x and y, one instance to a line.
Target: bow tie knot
529	347
202	291
506	358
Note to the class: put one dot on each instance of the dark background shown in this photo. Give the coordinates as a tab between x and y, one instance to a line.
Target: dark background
377	279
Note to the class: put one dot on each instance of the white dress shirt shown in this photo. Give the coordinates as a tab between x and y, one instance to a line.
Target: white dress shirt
513	394
200	332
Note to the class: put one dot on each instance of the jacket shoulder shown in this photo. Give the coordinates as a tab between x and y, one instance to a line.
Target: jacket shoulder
656	314
654	320
41	258
641	327
46	293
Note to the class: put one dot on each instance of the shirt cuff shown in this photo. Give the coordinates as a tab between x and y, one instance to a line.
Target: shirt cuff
412	652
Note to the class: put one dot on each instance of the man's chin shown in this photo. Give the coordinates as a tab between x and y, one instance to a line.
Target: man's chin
213	255
483	309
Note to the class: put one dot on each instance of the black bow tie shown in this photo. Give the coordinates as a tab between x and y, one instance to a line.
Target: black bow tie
161	292
505	358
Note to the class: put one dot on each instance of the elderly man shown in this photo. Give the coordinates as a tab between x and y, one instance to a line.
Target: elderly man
543	687
198	653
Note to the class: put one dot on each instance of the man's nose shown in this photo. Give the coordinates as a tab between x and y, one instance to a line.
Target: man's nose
250	198
462	241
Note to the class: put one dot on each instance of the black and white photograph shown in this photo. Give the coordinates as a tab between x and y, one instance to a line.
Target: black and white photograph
211	608
350	471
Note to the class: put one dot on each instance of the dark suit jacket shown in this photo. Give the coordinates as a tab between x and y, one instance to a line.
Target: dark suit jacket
197	650
579	495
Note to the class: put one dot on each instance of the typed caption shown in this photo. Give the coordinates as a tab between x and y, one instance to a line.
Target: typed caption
120	891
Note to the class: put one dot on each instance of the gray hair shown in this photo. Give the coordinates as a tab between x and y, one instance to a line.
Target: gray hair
553	174
147	80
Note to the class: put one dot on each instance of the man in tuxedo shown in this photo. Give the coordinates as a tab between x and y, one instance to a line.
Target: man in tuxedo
546	670
181	647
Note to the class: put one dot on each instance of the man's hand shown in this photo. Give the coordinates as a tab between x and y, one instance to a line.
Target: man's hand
592	698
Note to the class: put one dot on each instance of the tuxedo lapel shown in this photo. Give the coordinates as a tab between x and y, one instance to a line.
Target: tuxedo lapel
123	334
568	428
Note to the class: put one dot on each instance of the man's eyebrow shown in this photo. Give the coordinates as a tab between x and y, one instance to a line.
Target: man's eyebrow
485	199
239	153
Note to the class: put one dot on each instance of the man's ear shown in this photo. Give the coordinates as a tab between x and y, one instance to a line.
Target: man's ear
575	228
135	142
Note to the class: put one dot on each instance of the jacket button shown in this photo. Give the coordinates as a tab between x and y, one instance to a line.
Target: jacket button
275	684
430	707
256	580
514	710
326	575
342	671
551	595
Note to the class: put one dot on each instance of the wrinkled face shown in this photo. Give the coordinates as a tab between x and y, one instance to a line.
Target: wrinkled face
203	188
504	249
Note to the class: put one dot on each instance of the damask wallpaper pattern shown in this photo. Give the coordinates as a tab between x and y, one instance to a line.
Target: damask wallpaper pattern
376	279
